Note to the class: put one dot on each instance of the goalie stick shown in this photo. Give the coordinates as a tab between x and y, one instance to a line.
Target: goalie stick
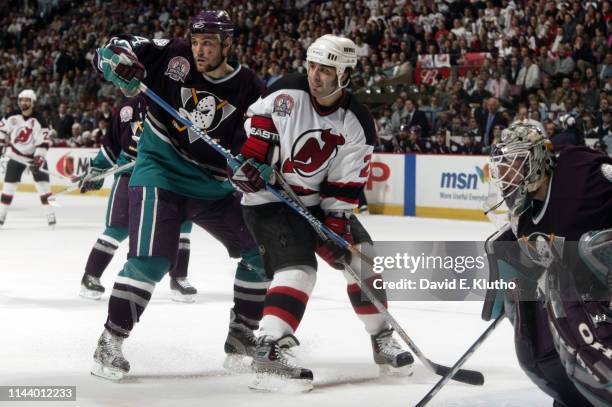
465	376
457	366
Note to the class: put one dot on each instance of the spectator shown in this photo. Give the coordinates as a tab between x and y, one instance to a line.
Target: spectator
479	93
105	112
550	128
499	87
62	122
469	145
411	116
529	75
439	144
605	128
604	71
489	118
563	65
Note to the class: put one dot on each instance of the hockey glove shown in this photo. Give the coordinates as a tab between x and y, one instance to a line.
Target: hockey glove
122	68
37	164
329	250
86	183
250	176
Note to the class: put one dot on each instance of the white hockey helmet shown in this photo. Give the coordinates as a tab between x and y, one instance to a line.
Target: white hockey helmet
27	94
567	120
331	50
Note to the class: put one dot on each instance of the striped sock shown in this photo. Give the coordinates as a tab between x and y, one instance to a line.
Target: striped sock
373	321
101	255
131	294
182	257
249	294
286	300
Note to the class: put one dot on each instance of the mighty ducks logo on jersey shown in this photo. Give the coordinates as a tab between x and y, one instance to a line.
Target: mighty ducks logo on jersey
205	110
312	152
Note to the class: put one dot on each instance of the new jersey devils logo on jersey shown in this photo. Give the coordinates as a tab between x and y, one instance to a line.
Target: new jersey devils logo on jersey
312	152
24	135
204	109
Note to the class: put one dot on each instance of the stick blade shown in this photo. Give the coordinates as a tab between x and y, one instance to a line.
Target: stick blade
472	377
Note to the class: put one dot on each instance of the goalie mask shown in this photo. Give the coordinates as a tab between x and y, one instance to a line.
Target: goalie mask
520	163
334	51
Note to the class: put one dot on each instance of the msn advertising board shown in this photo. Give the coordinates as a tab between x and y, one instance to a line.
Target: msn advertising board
452	186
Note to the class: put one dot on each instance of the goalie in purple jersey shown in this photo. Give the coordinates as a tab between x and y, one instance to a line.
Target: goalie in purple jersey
178	177
558	248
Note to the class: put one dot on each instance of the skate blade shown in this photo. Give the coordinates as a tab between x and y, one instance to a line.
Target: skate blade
178	297
268	382
391	371
90	294
106	373
237	364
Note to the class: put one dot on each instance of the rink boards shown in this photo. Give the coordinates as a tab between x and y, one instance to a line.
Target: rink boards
435	186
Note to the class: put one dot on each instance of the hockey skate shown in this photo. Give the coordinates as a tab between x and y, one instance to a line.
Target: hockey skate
2	217
389	355
239	346
182	290
51	221
109	362
91	287
276	368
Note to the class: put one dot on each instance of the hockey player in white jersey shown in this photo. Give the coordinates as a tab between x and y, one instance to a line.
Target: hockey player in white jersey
26	138
320	139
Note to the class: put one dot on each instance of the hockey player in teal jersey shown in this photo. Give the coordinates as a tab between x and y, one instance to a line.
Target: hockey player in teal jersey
178	177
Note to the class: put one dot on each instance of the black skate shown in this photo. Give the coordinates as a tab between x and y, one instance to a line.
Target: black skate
389	355
109	362
276	368
91	287
239	346
182	290
51	221
2	217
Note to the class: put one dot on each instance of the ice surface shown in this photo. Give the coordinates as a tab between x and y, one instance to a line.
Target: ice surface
48	333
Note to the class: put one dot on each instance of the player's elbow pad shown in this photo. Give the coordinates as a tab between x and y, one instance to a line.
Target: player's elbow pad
263	141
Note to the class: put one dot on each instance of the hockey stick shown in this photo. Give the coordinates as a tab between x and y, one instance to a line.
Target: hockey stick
113	170
41	169
461	375
457	366
466	376
314	222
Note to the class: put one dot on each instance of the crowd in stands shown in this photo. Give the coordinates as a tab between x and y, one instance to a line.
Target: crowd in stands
539	59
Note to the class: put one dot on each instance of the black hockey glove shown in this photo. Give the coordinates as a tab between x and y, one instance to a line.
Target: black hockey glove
86	183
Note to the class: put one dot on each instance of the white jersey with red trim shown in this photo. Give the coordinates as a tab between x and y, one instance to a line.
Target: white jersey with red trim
26	136
324	154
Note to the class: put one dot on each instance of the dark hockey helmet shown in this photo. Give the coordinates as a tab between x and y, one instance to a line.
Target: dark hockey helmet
520	163
212	22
